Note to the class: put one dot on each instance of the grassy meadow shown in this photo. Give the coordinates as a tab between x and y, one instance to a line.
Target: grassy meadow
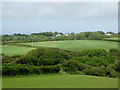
72	45
77	45
15	50
59	81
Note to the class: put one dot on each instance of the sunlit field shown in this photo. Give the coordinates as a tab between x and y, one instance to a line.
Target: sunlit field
59	81
15	50
77	45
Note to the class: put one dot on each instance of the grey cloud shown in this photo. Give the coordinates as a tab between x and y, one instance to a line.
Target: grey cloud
59	11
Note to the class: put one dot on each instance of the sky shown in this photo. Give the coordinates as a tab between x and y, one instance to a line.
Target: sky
66	17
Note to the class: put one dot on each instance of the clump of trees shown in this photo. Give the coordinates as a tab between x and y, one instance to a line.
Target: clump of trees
44	56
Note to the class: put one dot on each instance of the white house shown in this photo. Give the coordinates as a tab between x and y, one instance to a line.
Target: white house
108	34
66	34
58	35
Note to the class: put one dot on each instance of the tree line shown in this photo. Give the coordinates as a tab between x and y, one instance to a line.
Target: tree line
54	36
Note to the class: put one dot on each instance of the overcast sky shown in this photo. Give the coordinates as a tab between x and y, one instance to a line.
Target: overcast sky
66	17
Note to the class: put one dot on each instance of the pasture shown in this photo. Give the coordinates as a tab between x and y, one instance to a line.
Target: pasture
58	81
77	45
15	50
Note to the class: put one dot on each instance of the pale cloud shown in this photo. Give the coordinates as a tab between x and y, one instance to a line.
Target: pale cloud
60	11
27	17
59	0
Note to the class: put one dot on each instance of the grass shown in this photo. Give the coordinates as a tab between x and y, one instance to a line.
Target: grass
58	81
77	45
72	45
14	50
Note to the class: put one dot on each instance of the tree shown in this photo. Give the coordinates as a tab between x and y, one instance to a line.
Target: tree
110	33
87	34
101	32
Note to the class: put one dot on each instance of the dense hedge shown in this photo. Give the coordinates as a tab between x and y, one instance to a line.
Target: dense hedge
93	52
12	69
95	71
73	65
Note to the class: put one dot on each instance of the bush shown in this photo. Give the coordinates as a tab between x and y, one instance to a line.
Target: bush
112	70
83	59
73	65
27	69
113	73
6	59
93	52
16	56
97	61
43	56
95	71
113	50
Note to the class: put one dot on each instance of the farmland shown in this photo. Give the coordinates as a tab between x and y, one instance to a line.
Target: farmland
81	77
59	81
14	50
77	45
59	45
72	45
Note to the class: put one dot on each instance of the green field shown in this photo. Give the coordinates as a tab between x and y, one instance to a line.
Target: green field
77	45
59	81
15	50
72	45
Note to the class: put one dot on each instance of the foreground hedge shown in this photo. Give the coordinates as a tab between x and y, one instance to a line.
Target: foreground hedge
27	69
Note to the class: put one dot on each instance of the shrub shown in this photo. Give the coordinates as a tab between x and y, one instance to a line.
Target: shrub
113	50
73	65
95	71
43	56
112	70
93	52
27	69
113	73
97	61
6	59
83	59
16	56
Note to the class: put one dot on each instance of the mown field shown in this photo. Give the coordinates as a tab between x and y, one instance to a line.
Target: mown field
59	81
72	45
15	50
77	45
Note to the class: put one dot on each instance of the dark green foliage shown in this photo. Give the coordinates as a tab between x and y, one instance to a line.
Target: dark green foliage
43	56
16	56
113	50
96	62
12	69
83	59
87	34
93	52
6	59
95	71
110	33
112	69
97	36
73	65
